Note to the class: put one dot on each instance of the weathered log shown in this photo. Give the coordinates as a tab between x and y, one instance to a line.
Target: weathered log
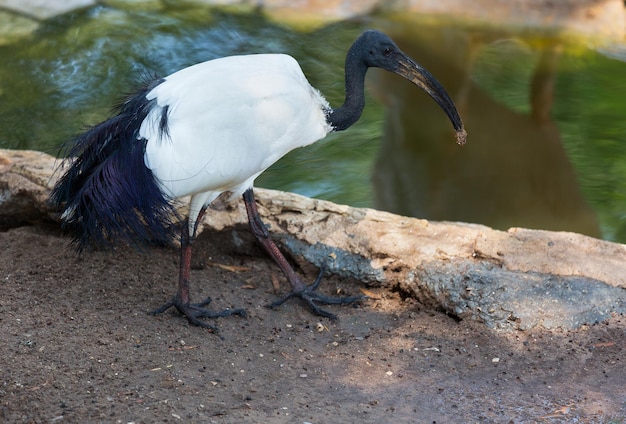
515	279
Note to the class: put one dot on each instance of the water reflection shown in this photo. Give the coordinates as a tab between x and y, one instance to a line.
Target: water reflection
512	172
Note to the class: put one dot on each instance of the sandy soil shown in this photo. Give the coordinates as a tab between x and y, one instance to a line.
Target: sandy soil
78	346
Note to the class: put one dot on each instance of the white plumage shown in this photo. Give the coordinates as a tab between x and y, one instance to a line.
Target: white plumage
229	119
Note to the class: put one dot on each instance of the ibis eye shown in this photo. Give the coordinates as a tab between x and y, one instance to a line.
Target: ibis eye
387	51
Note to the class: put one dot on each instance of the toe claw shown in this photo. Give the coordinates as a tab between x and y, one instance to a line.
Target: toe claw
204	303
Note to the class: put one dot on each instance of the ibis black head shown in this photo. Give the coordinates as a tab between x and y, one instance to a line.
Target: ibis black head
376	49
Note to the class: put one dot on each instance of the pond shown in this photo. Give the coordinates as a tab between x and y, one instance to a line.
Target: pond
545	119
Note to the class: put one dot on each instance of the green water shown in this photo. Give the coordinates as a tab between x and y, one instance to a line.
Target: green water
545	154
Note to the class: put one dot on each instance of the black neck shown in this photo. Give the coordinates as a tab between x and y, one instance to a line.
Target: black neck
348	113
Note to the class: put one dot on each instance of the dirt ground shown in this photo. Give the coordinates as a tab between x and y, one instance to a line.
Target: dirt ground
78	346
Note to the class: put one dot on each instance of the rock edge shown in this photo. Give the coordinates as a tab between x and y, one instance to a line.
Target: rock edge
515	279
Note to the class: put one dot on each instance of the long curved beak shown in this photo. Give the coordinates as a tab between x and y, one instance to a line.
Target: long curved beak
407	68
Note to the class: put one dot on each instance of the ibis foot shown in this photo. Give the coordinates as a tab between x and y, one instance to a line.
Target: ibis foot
195	311
312	298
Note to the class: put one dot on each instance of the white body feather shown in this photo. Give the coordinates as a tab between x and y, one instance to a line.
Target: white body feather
229	119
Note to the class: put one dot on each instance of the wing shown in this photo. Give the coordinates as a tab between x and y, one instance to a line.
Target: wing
219	124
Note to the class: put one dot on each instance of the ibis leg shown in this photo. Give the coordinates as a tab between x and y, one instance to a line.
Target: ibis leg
298	289
182	299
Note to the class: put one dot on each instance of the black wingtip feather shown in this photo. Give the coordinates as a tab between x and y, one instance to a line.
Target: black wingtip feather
107	194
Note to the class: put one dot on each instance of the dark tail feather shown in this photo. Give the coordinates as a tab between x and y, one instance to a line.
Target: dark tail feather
107	193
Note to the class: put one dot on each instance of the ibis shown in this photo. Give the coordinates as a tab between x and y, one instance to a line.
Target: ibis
209	129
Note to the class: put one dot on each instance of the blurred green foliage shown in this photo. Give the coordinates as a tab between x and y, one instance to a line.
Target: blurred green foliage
76	67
